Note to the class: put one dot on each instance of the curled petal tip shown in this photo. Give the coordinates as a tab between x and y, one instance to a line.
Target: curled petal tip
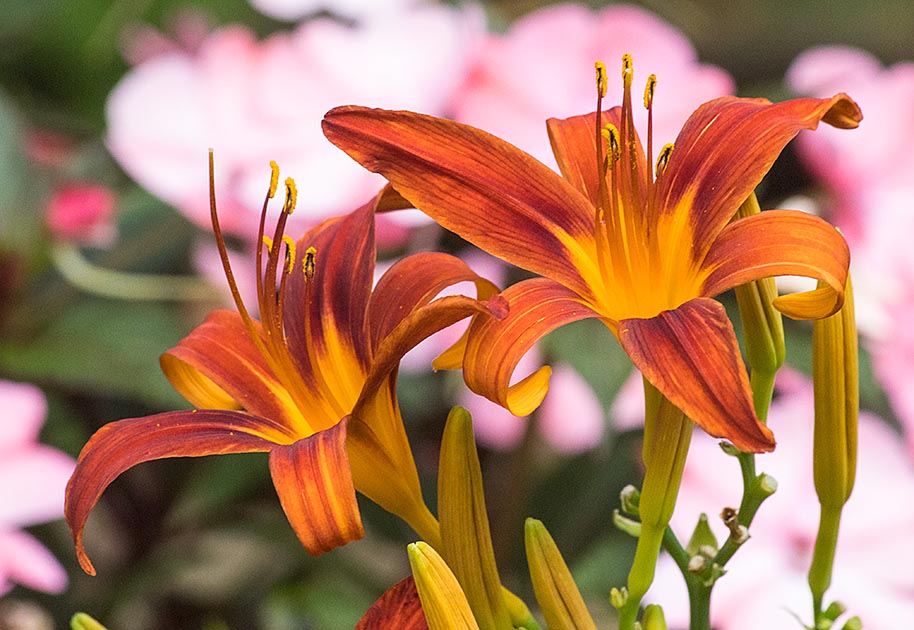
498	306
844	112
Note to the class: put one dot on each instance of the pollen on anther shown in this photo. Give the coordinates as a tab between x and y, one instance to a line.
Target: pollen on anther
290	252
626	70
610	135
664	157
268	242
291	196
274	178
308	262
601	78
649	88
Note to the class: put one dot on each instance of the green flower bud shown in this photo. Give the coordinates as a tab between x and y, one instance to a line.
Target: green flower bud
82	621
556	592
465	538
443	602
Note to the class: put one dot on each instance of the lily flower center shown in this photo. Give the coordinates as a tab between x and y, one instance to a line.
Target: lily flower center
312	406
642	254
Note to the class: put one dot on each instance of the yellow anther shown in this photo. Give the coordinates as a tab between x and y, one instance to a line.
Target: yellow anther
601	78
268	242
290	252
308	262
649	91
611	136
291	196
627	70
274	178
664	157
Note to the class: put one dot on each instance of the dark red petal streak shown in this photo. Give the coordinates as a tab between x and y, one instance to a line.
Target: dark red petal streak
726	147
314	485
330	308
475	184
121	445
691	355
778	243
398	607
536	307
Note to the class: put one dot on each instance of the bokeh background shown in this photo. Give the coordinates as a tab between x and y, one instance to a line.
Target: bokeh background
99	275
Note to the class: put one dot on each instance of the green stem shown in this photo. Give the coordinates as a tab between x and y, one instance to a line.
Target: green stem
642	572
823	557
123	285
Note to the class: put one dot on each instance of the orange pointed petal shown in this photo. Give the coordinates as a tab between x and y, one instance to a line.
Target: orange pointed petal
413	282
727	146
691	355
314	484
399	607
217	364
777	243
536	307
479	186
118	446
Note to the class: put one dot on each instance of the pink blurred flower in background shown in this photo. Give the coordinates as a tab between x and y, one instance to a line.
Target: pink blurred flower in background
82	213
256	101
544	67
32	481
292	10
766	580
870	182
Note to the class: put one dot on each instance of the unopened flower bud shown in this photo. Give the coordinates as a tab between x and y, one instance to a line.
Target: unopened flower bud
82	621
763	327
837	402
443	602
630	498
556	592
653	618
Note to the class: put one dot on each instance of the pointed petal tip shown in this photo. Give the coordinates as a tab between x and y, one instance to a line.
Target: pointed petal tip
691	355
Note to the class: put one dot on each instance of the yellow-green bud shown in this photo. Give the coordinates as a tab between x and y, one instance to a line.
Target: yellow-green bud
82	621
443	602
465	538
556	592
653	618
837	402
763	328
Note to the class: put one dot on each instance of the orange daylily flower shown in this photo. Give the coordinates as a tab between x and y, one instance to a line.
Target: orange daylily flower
312	383
643	251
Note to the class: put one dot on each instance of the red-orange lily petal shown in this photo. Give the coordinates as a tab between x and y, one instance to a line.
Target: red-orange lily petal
203	363
413	282
725	149
536	307
780	243
121	445
399	607
692	356
314	484
511	205
629	244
